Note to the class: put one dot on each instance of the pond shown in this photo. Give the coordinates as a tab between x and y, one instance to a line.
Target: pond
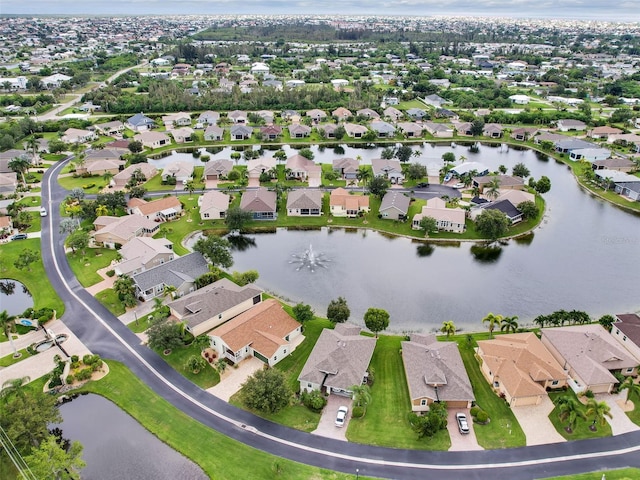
584	256
117	447
14	297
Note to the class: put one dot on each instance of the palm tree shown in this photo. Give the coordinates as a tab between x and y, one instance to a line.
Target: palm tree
221	365
32	144
631	387
509	324
20	165
14	386
448	328
7	323
599	411
190	186
493	188
169	291
203	341
569	409
493	321
361	395
107	176
363	175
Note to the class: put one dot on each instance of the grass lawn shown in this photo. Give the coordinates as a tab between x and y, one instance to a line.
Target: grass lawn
30	201
85	266
227	460
634	415
35	222
9	360
69	183
34	279
581	430
109	298
189	222
141	325
154	184
295	416
177	358
386	420
622	474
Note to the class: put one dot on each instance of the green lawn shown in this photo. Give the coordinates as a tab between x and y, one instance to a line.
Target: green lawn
8	360
386	420
176	231
30	201
34	279
109	298
295	415
634	415
622	474
35	222
581	430
141	324
85	265
69	183
204	379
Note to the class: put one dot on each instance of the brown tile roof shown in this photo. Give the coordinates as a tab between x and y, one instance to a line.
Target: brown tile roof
341	197
159	205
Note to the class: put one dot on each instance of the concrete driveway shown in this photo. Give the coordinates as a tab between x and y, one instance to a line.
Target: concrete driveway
534	420
233	378
619	421
326	426
461	442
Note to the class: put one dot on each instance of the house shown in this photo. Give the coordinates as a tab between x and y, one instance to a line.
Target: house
6	224
339	360
180	273
237	116
589	154
447	219
630	190
304	203
181	170
258	166
445	113
416	113
266	115
180	119
214	304
110	128
217	169
182	135
8	183
122	178
410	129
354	130
8	155
271	132
100	165
435	101
435	373
516	197
259	68
467	167
506	182
344	204
346	167
626	330
54	81
603	132
492	130
523	134
261	202
76	135
265	331
328	130
394	206
213	205
241	132
590	355
383	129
566	145
392	114
111	232
316	115
209	118
297	130
505	206
389	169
570	125
304	170
152	139
160	210
213	133
368	113
520	368
140	123
142	253
617	163
341	114
439	130
519	99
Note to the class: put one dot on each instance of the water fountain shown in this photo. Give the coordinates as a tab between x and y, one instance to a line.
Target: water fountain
51	339
309	259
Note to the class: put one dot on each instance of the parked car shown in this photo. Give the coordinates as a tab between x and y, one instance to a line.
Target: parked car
423	185
463	426
43	212
459	185
19	236
342	416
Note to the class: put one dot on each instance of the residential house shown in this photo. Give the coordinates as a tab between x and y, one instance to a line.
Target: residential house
217	169
266	115
445	113
523	134
214	304
439	130
519	99
180	119
258	166
392	114
394	206
180	273
506	182
209	118
238	116
241	132
316	115
181	170
570	125
8	183
142	253
265	331
182	135
519	368
463	128
160	210
590	355
140	123
626	330
447	219
110	128
603	132
492	130
304	170
354	130
435	373
505	206
76	135
342	114
213	133
548	137
122	178
297	130
589	154
213	205
410	129
112	232
416	113
101	166
383	129
261	203
152	139
617	163
468	167
328	130
6	224
566	145
304	203
435	100
339	360
631	190
368	113
271	132
346	167
389	169
54	81
345	204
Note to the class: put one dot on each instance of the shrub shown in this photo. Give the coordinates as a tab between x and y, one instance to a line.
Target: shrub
313	400
357	412
482	416
588	394
84	374
233	175
96	366
475	410
87	186
69	379
75	358
111	273
205	158
91	359
75	364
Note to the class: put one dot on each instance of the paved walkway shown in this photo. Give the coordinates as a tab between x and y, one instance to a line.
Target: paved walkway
534	420
107	282
233	378
142	309
619	421
461	442
327	426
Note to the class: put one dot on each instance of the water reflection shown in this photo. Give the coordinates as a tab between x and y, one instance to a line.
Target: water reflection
7	287
425	250
15	298
241	242
486	253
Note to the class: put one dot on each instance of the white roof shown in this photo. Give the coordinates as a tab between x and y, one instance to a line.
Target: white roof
466	167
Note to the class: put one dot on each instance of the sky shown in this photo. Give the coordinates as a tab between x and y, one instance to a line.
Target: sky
612	10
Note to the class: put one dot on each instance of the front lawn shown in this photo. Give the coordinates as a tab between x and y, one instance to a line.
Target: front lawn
206	378
88	184
581	430
634	415
622	474
177	230
85	265
295	416
109	298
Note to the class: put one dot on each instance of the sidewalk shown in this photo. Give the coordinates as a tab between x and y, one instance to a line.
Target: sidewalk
144	308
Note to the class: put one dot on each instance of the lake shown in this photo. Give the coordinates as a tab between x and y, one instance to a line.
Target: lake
14	297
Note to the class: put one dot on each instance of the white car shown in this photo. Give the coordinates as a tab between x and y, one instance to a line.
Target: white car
43	212
458	185
342	416
463	426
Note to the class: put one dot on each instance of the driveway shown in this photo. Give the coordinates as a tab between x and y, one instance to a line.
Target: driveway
326	426
233	378
460	442
534	420
619	421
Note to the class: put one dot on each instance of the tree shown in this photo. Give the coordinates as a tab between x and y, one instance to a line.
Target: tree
493	188
190	186
14	387
306	153
303	313
543	185
266	390
492	224
363	175
20	165
195	363
338	310
103	209
493	321
403	153
529	209
78	240
25	259
26	418
216	250
428	225
509	324
631	387
164	335
431	422
52	461
376	320
599	411
135	146
448	328
502	169
416	171
361	395
477	127
569	410
202	341
280	155
126	290
169	291
607	321
449	157
378	186
237	218
7	322
67	225
221	365
236	156
520	170
387	153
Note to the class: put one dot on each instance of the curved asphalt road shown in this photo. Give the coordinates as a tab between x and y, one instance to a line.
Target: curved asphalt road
104	334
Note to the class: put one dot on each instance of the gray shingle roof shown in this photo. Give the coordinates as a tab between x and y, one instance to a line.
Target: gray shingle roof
396	200
304	198
175	273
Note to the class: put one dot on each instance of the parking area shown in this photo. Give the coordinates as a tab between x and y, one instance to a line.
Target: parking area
461	442
534	421
326	426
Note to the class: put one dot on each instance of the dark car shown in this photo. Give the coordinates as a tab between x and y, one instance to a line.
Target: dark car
422	185
19	236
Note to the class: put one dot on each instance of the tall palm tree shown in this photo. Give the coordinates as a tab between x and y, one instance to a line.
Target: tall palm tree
20	165
493	321
599	411
361	395
363	175
493	188
509	324
7	323
448	328
630	386
169	291
14	386
32	144
569	409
